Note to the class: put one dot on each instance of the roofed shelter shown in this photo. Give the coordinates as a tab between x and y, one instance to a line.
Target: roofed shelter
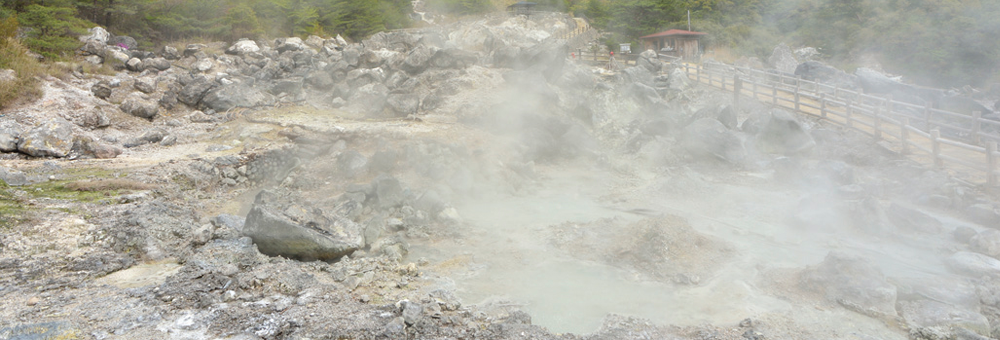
521	8
675	42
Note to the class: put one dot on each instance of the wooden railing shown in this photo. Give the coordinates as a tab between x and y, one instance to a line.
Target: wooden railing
948	139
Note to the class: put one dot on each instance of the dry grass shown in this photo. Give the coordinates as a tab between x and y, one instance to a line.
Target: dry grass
25	88
722	54
109	185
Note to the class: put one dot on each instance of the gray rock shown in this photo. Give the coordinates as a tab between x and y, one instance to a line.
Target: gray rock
636	74
291	86
101	89
927	313
12	177
93	48
123	41
963	234
874	82
984	214
116	57
229	221
817	71
708	138
10	135
412	312
145	85
203	64
154	135
155	64
134	64
351	163
913	219
782	59
320	81
96	34
854	283
53	138
388	191
243	47
370	98
417	60
783	134
281	226
649	60
360	77
338	103
987	242
396	328
91	147
289	44
679	80
138	106
727	116
403	104
192	49
194	91
237	95
973	264
169	52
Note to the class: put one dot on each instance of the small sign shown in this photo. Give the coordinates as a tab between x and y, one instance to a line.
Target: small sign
625	48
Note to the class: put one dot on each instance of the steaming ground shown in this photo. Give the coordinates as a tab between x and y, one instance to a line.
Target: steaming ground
529	197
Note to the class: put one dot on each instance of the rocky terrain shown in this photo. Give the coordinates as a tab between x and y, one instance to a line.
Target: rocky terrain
321	189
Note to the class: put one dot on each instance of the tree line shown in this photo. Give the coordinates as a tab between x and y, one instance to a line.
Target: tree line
934	42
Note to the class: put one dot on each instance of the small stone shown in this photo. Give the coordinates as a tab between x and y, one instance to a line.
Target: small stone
33	301
365	298
963	234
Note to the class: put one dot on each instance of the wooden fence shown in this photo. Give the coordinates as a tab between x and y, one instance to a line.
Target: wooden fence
948	139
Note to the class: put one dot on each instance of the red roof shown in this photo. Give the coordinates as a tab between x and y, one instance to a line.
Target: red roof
672	32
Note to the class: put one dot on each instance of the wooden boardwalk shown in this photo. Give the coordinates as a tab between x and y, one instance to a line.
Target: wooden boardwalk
967	153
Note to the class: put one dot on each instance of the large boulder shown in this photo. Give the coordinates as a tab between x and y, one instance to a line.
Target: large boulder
156	64
123	41
289	44
97	34
974	264
194	90
708	138
874	82
91	147
140	107
403	104
650	61
13	177
53	138
282	226
679	80
237	95
243	47
547	58
854	283
783	134
818	71
782	59
417	60
370	98
10	135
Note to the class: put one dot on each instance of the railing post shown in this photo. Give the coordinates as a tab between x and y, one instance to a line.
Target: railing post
877	123
904	134
754	89
737	87
991	163
796	94
774	94
847	112
936	147
722	77
927	117
836	91
976	121
822	105
697	72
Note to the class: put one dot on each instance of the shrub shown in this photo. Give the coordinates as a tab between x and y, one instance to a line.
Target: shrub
16	57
